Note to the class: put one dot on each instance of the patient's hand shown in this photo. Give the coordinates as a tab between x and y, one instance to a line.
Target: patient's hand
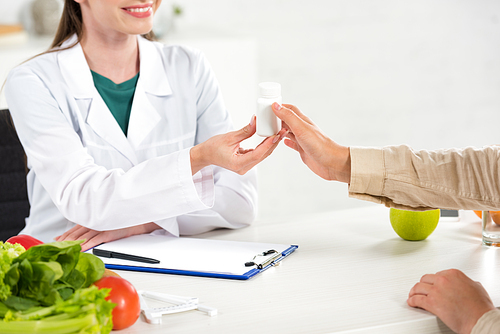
452	296
319	152
93	238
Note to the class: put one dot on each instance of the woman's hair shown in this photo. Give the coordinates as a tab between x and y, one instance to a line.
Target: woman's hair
72	23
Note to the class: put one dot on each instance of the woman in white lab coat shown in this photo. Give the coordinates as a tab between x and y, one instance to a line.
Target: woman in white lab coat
174	168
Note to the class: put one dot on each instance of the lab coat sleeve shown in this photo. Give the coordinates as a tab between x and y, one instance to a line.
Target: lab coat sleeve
85	193
235	203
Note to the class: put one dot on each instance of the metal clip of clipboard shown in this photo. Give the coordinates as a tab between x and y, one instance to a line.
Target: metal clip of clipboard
154	315
264	259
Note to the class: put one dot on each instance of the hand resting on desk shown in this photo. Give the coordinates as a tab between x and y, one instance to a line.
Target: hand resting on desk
452	296
93	238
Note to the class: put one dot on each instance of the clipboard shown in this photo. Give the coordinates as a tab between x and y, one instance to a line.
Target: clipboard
196	257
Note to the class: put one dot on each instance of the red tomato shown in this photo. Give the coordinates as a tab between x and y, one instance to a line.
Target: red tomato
24	240
126	298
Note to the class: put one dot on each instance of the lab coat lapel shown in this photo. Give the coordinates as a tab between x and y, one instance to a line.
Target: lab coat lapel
152	82
104	124
77	75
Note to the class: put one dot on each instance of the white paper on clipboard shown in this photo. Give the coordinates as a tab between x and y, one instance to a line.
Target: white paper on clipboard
190	254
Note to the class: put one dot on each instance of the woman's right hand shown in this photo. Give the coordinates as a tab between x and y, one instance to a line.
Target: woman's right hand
225	151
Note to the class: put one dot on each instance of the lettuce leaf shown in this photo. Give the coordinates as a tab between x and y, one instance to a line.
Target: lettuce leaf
51	272
47	289
91	267
8	253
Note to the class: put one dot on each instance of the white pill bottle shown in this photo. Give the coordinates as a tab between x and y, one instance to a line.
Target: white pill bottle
267	123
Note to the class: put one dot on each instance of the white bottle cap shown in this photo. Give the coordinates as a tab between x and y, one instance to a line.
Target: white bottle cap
270	89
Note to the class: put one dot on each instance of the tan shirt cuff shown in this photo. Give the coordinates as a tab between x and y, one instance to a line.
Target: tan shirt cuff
367	173
489	323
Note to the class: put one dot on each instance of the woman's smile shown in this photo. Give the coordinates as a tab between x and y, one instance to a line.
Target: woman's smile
140	11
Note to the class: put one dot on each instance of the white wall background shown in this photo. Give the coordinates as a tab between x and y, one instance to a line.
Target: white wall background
369	72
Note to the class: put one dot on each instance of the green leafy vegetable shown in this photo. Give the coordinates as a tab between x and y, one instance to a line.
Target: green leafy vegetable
8	252
45	289
20	303
86	312
51	272
91	267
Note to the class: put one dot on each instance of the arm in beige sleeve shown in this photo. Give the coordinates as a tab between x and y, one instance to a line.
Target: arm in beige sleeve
489	323
400	177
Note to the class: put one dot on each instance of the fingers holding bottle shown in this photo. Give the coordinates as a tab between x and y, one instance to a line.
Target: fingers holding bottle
290	119
225	150
242	160
321	154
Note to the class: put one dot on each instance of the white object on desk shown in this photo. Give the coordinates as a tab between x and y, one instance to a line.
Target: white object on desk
182	304
194	256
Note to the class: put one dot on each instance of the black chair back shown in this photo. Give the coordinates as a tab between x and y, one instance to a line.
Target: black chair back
14	205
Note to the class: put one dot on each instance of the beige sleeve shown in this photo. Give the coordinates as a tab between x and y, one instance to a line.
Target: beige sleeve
489	323
400	177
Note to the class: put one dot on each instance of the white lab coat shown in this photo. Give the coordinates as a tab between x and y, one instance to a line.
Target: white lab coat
84	170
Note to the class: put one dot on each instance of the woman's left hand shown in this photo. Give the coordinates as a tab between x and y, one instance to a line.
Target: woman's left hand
93	238
225	151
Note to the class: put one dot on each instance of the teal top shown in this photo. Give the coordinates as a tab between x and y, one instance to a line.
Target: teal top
118	97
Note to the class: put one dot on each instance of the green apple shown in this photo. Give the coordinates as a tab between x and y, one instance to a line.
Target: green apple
414	225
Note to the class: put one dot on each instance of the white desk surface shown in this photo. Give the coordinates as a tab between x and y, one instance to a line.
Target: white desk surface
351	274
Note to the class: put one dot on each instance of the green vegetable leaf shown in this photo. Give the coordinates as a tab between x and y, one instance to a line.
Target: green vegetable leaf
64	252
91	267
65	292
3	310
12	277
76	279
46	290
86	311
8	253
37	281
20	303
